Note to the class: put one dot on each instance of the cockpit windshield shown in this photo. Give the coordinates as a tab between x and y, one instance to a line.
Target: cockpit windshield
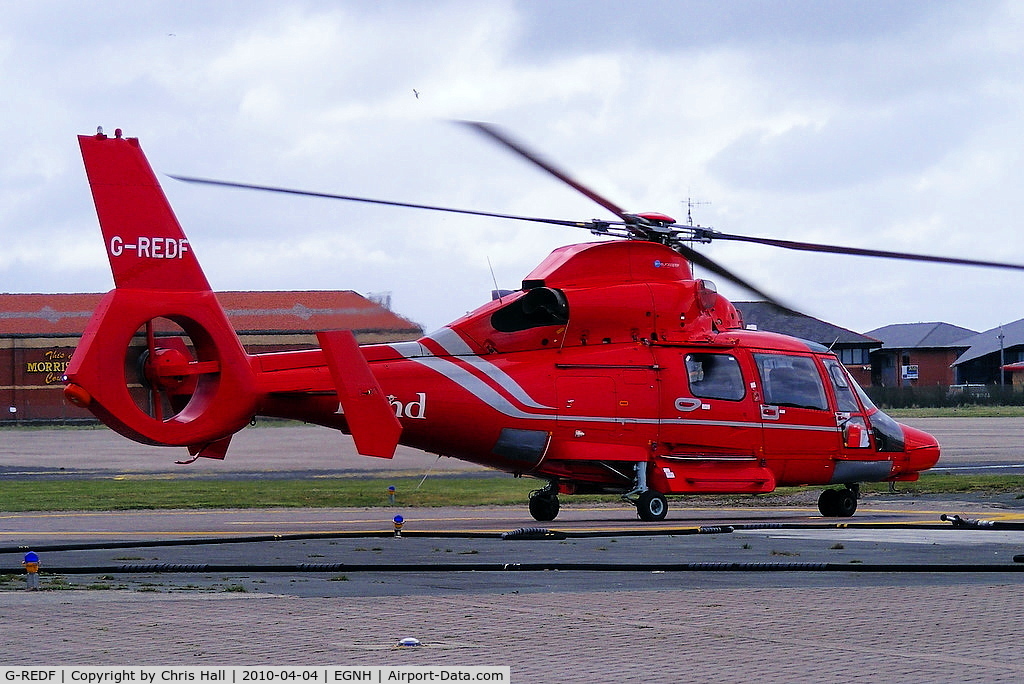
888	433
865	400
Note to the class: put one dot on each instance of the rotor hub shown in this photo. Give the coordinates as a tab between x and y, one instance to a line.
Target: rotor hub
165	369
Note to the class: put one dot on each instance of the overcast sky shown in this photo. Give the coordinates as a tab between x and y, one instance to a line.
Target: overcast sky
891	125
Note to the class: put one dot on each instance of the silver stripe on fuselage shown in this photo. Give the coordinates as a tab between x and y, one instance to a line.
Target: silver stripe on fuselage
477	387
452	343
410	349
503	380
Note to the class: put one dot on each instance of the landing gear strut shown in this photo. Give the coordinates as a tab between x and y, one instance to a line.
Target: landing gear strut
651	506
839	503
544	502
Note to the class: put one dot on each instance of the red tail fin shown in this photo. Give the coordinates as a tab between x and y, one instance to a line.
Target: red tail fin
145	244
145	386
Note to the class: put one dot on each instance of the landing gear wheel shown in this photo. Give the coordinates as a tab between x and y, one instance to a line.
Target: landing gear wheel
846	503
544	507
827	504
837	503
651	506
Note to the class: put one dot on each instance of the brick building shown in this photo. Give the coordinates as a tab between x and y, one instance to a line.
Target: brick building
917	354
987	351
39	333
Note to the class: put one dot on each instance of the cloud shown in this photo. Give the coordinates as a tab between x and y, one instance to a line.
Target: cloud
848	148
879	124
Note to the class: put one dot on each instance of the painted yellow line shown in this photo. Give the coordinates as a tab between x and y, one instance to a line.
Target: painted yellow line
269	533
133	535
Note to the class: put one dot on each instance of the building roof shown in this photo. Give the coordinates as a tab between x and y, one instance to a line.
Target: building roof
767	316
921	335
988	342
48	315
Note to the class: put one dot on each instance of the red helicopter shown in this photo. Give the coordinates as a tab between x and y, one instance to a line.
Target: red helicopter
611	370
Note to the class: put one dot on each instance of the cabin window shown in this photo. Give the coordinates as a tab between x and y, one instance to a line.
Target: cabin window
791	381
714	376
537	308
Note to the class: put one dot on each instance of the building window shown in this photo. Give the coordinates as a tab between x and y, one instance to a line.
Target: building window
856	356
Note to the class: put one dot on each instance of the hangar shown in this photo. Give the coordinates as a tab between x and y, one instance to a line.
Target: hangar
39	333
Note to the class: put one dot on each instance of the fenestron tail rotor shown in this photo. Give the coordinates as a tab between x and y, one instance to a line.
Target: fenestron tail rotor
159	361
166	368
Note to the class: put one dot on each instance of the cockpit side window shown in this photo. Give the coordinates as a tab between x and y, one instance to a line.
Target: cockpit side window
845	399
791	381
538	307
715	376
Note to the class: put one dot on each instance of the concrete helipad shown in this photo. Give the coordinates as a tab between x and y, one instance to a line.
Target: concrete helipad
576	625
786	596
879	633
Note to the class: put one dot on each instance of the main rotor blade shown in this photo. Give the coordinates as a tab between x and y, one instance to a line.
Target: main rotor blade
630	221
519	148
326	195
860	251
708	263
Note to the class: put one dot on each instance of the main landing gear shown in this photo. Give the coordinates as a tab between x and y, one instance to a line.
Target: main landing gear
651	505
544	502
839	503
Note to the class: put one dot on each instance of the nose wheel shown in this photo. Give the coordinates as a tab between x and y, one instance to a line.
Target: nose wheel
839	503
544	503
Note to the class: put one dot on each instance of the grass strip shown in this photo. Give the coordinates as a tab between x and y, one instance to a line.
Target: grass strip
141	493
968	411
146	494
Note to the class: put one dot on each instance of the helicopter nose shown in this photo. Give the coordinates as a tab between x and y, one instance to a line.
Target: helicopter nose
921	448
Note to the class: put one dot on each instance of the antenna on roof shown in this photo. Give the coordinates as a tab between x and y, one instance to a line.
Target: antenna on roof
495	293
690	204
